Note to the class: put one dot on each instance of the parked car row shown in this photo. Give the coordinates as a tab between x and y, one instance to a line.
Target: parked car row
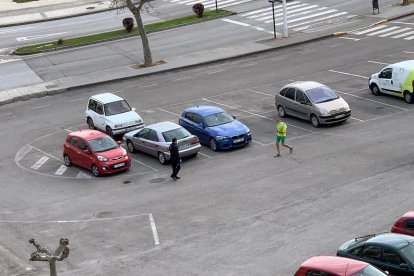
392	252
98	152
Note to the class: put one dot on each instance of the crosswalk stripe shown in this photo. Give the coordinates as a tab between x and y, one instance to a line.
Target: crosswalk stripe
278	9
61	170
267	8
220	4
402	35
370	29
395	32
409	38
306	17
315	20
294	13
39	163
290	15
224	5
383	31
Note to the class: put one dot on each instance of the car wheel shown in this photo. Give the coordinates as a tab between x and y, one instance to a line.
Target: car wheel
161	158
281	111
213	144
89	121
109	131
408	98
314	120
67	161
375	90
130	146
95	170
194	155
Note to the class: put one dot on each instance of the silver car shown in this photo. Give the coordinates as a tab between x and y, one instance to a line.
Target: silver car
155	140
311	101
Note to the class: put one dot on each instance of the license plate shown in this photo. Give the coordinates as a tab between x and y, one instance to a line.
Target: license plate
119	165
238	140
339	116
184	146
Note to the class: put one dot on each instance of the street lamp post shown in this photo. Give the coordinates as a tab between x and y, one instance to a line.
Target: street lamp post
274	23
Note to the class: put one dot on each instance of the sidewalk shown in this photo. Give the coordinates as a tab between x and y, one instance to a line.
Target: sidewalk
192	59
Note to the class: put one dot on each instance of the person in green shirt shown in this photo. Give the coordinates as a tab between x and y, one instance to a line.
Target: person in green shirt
281	128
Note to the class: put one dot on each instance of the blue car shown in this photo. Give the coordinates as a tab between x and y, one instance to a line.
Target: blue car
215	127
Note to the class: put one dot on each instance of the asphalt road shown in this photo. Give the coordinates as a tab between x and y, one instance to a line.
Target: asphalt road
240	212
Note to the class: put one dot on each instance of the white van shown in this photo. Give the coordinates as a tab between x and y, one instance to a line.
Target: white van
396	79
112	114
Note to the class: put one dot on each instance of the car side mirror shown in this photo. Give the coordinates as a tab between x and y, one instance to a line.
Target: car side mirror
133	109
234	117
386	272
119	143
200	125
86	150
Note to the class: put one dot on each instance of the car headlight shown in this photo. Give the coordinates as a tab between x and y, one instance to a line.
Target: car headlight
124	151
219	138
138	121
324	111
118	126
248	132
102	158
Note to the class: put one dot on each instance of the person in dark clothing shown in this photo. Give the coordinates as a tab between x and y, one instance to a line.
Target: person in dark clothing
175	159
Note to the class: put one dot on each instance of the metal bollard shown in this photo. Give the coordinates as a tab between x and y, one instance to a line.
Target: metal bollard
375	6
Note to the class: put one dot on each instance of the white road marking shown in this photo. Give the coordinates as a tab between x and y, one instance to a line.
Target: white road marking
22	152
261	93
155	170
278	58
370	29
261	144
314	20
383	31
68	130
61	170
357	119
148	85
185	78
395	32
376	62
203	154
215	72
32	37
236	22
409	38
352	95
38	107
402	35
81	99
45	153
72	221
349	74
154	229
349	38
39	163
248	65
82	175
404	23
6	114
335	45
178	115
408	52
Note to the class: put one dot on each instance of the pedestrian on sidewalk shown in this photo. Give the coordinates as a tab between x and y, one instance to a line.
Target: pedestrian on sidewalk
175	159
281	128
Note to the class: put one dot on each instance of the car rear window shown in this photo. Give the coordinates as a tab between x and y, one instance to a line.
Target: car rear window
179	133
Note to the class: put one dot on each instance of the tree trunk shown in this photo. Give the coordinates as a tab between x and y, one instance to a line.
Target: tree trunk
144	39
405	2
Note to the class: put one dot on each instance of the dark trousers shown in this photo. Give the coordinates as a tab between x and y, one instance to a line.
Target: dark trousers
175	169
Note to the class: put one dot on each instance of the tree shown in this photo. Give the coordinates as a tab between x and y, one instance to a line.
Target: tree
136	11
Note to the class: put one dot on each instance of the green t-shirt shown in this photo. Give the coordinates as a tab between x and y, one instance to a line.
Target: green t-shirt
281	129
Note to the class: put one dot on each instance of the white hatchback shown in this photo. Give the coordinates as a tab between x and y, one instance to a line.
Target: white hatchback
111	114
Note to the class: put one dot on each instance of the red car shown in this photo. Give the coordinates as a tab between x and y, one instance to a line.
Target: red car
95	151
336	266
405	224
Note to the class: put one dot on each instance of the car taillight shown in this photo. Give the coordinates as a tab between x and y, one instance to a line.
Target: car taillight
412	84
196	141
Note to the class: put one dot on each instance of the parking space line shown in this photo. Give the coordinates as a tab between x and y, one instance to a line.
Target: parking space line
350	38
75	100
38	107
261	93
203	154
214	72
373	101
154	229
61	170
385	116
185	78
6	114
45	153
169	112
408	52
68	130
335	45
248	65
376	62
357	119
261	144
39	163
148	85
349	74
148	166
255	114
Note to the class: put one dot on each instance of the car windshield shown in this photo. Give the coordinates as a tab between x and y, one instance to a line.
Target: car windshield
103	144
408	252
321	94
369	271
218	119
179	133
116	108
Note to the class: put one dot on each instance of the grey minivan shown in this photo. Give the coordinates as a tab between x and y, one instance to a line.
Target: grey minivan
311	101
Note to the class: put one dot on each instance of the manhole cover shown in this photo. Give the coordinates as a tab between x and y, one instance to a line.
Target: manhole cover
104	214
157	180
